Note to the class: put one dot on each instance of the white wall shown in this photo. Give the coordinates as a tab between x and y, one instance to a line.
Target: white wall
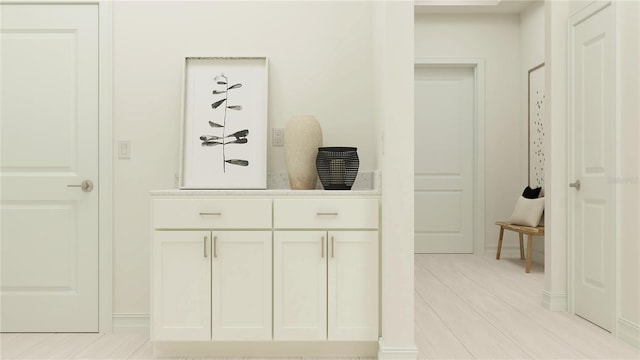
320	57
496	39
532	52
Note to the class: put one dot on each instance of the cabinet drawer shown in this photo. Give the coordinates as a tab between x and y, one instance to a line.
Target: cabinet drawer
325	213
212	214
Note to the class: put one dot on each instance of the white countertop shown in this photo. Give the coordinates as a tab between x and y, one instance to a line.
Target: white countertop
267	192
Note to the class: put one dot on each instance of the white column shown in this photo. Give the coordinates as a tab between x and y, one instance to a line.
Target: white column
394	56
555	247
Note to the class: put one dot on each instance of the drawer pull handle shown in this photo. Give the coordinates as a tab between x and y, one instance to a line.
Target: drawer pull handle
322	248
215	247
210	213
333	245
204	244
327	214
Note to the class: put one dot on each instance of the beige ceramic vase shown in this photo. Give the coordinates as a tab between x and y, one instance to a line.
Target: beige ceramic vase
302	138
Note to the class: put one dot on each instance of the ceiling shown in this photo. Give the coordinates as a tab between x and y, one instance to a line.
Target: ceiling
472	6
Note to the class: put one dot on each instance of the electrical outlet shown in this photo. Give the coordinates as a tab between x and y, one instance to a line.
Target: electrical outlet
277	137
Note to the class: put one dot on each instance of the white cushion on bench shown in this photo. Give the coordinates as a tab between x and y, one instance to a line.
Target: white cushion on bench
527	212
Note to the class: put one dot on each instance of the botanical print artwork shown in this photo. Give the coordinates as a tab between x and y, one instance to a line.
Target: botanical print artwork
222	139
537	136
537	157
224	123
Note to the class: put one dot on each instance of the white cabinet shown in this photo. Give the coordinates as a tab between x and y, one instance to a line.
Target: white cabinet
352	285
241	302
300	285
212	214
326	282
181	287
327	213
260	269
215	284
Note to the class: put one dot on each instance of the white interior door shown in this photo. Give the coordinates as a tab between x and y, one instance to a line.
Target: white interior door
444	143
49	135
593	93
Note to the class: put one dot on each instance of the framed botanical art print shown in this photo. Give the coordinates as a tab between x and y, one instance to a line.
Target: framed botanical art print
537	126
224	126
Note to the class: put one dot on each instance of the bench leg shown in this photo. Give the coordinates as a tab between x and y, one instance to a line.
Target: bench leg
529	250
500	243
521	247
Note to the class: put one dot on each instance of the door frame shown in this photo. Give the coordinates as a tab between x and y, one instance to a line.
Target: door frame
105	166
477	65
572	22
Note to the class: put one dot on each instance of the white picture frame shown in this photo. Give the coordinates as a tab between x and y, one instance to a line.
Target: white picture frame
224	123
536	125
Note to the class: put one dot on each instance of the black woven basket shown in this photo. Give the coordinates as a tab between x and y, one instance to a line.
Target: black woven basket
337	167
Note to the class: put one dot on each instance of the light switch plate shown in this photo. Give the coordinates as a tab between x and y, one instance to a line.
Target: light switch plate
124	149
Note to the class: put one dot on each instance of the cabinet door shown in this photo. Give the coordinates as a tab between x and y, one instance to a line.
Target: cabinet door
353	285
241	306
300	288
181	293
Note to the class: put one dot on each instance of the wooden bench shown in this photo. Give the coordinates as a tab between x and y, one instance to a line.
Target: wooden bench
521	230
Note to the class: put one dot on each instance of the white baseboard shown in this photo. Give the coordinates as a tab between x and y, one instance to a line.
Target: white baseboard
131	323
554	302
629	332
396	352
265	349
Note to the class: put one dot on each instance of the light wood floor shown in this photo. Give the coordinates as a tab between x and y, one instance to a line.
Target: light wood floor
466	307
478	307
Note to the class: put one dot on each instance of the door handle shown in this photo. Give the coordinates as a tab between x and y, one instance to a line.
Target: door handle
86	186
575	185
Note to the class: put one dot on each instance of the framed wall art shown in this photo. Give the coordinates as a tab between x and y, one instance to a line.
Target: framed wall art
537	126
224	126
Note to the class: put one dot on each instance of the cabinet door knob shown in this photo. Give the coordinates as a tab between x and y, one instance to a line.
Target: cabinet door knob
322	248
215	250
210	213
327	213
